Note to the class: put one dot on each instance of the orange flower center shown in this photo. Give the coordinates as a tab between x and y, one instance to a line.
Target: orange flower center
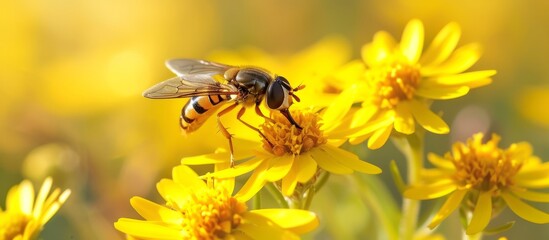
484	166
12	225
211	213
392	84
284	138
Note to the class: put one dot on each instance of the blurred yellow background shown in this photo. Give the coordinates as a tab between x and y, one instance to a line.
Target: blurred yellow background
72	73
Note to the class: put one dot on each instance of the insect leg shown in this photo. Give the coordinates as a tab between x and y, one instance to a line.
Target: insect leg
224	131
258	111
240	114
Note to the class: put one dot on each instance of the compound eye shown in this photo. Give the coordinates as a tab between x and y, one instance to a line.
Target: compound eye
277	95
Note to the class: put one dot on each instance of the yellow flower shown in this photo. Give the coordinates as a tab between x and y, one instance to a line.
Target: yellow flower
398	82
24	215
196	209
484	178
290	155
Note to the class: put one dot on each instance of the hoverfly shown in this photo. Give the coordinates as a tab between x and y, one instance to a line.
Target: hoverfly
209	85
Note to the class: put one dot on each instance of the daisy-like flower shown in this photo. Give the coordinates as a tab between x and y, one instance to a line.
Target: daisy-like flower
483	178
196	209
290	156
398	81
25	215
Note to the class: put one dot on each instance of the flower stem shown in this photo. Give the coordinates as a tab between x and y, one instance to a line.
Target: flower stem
412	148
277	195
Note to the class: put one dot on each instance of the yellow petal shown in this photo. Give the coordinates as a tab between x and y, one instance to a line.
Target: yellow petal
174	192
255	182
443	93
295	220
334	113
404	121
186	176
308	167
453	201
435	190
440	162
363	115
147	229
482	214
326	162
154	212
462	59
25	201
379	137
239	169
259	227
411	43
530	195
280	166
468	79
379	50
289	182
429	120
442	46
524	210
221	156
350	160
41	197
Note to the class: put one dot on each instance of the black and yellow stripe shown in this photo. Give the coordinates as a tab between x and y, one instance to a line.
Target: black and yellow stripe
198	109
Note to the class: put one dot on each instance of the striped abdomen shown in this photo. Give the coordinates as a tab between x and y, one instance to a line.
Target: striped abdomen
198	109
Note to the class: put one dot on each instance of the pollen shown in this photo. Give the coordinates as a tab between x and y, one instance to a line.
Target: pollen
282	137
484	166
211	213
12	225
392	84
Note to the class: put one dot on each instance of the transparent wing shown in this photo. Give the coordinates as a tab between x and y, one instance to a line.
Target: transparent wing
178	87
191	69
195	78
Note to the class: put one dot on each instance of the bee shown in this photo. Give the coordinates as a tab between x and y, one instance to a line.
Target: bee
209	85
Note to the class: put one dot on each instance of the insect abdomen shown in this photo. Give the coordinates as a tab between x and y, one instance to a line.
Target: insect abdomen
198	109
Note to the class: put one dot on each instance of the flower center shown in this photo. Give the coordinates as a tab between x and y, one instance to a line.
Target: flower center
485	166
392	84
12	225
282	137
211	213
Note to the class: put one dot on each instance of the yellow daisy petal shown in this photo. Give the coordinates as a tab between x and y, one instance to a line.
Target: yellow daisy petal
439	161
363	115
350	160
442	46
308	168
530	195
326	162
411	43
260	227
461	59
379	50
431	191
379	137
482	214
428	119
463	79
295	220
524	210
279	168
338	109
532	183
220	156
239	169
26	198
453	201
185	176
154	212
147	229
444	93
254	183
404	121
289	182
171	191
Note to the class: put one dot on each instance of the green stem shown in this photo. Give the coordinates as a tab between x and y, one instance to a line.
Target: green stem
257	201
277	195
412	148
310	194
